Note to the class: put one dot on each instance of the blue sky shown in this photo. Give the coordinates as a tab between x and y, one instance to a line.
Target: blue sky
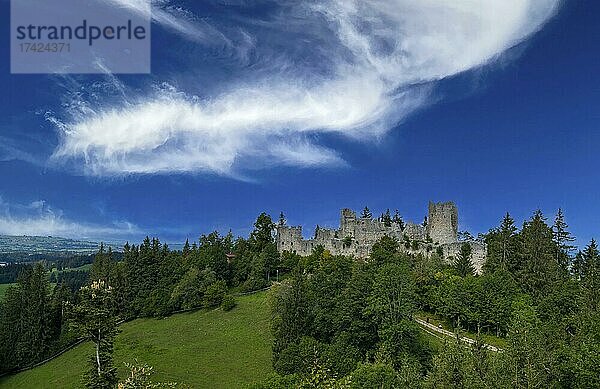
273	106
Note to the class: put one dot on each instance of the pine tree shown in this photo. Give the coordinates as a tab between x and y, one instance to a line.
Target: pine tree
37	312
103	267
366	213
93	318
562	238
282	222
591	274
386	218
463	264
398	219
502	245
577	267
538	251
186	248
508	231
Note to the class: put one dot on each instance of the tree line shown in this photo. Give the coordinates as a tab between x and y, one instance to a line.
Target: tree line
146	280
341	322
344	323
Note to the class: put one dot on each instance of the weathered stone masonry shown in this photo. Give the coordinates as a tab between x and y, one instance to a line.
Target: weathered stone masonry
356	236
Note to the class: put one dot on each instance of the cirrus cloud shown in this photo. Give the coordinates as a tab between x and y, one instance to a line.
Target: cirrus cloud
381	59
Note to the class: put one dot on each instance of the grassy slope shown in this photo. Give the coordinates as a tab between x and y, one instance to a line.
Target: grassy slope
86	267
202	349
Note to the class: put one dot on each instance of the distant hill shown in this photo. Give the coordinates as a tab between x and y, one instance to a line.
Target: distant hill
34	248
45	244
213	349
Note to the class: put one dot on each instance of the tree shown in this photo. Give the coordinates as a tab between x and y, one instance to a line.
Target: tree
502	244
590	278
103	267
26	322
186	249
386	218
366	213
577	266
525	359
538	253
562	239
212	253
454	367
282	221
93	318
463	264
398	219
262	235
391	304
188	292
291	313
384	250
378	375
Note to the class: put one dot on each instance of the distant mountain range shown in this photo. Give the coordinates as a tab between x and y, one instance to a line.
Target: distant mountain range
45	244
31	245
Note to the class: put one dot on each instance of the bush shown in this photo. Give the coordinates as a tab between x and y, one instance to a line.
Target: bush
228	303
374	376
278	382
213	297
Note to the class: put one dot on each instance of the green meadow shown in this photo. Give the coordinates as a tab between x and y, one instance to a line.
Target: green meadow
202	349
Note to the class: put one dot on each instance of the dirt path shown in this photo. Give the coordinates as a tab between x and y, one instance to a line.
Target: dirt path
432	328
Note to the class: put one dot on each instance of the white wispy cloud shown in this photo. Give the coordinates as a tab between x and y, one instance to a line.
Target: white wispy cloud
384	56
173	18
40	219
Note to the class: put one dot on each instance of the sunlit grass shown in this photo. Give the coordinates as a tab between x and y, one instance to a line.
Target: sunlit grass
213	349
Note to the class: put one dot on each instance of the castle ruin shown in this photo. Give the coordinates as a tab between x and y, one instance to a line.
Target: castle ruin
356	236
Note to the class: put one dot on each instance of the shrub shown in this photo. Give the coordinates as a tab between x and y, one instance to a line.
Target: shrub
374	376
213	297
228	303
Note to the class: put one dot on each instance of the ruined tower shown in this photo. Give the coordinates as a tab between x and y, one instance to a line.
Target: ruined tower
442	225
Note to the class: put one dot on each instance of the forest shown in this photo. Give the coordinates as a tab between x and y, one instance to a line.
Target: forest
338	322
342	323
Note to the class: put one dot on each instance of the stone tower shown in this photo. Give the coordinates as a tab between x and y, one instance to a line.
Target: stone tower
347	223
442	224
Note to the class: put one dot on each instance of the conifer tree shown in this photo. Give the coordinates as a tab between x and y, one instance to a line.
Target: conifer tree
577	267
591	274
26	321
93	318
538	252
103	267
464	264
502	245
366	213
398	219
563	239
508	231
186	248
282	221
387	218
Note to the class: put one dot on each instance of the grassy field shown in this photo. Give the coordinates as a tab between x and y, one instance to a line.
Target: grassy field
213	349
86	267
3	288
